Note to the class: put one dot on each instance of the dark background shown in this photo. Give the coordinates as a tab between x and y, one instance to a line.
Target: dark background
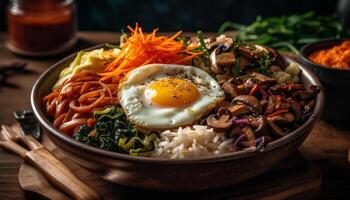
189	15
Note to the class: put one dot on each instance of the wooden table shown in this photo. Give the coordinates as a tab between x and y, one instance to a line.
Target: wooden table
327	145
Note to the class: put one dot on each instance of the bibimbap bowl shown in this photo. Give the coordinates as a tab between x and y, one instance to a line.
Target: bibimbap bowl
157	173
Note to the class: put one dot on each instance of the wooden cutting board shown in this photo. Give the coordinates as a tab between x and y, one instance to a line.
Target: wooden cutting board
293	178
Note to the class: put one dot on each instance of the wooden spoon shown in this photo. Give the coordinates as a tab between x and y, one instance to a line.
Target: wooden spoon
40	158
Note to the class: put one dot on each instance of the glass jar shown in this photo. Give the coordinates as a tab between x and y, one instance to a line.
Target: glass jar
41	27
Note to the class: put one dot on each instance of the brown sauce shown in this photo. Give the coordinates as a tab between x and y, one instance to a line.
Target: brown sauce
41	29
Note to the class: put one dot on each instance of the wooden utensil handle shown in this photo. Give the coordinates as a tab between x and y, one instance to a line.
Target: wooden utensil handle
13	147
30	142
60	175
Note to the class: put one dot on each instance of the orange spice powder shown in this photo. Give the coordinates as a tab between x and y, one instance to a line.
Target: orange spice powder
335	57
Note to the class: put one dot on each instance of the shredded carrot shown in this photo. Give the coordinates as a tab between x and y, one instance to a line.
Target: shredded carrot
142	48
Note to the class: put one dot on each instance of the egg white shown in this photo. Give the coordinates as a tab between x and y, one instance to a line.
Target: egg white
143	113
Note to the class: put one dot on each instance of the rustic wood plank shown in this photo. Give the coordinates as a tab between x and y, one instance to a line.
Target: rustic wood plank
9	185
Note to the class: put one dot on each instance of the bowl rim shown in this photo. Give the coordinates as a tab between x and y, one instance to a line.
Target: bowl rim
304	56
44	121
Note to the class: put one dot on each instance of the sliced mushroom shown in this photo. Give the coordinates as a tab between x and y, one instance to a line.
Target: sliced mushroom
275	103
260	77
277	58
219	123
230	89
256	52
222	104
258	123
219	61
263	80
249	100
284	118
252	51
225	59
286	87
239	109
246	86
223	111
213	65
257	77
222	41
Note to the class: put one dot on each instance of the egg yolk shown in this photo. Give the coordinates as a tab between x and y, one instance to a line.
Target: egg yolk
172	92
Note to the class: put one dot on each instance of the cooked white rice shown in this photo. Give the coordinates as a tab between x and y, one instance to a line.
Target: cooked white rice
191	142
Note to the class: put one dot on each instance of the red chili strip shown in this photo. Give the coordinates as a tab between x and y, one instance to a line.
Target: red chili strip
254	89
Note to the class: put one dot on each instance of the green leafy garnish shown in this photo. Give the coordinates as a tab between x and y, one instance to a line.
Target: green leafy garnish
202	61
288	33
264	64
186	41
202	43
113	132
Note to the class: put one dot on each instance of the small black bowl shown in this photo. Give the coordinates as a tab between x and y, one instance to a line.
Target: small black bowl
335	82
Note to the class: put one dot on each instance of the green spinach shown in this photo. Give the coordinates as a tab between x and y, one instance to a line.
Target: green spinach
113	132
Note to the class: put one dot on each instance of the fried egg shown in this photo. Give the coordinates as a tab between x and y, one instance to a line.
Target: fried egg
165	96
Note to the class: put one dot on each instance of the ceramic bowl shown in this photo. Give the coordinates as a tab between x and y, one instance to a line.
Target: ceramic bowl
335	82
165	174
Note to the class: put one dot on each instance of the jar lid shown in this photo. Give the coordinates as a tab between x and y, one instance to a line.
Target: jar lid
39	4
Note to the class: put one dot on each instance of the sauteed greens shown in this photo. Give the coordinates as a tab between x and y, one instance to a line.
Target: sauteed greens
113	132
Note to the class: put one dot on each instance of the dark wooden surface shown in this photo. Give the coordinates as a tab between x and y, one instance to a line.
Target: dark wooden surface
327	146
294	178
